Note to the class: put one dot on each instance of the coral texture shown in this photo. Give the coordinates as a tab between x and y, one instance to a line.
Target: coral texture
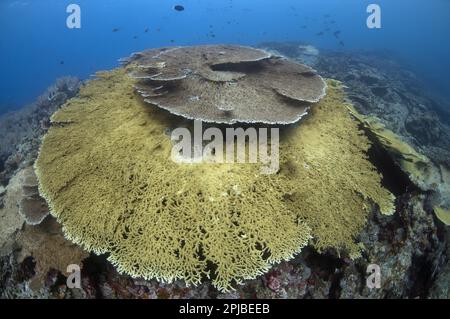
22	203
32	207
227	84
423	172
11	221
49	250
443	214
20	131
327	158
105	170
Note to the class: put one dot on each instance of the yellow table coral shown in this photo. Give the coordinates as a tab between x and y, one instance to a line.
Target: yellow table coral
104	167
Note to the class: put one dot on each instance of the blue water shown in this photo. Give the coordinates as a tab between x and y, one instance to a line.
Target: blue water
36	47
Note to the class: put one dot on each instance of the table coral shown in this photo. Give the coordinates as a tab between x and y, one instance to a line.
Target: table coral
327	157
226	84
104	168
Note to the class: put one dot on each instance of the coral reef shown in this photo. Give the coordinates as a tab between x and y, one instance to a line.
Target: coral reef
299	51
329	147
420	170
411	246
20	130
226	84
104	169
393	107
380	86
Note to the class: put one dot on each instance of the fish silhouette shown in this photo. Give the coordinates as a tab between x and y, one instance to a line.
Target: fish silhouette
178	7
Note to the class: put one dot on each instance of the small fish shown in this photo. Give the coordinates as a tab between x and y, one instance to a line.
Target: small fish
61	62
172	41
320	33
336	33
178	7
135	37
146	30
304	26
326	15
341	43
158	29
115	30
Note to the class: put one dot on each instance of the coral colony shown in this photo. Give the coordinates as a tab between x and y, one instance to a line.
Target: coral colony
226	84
115	190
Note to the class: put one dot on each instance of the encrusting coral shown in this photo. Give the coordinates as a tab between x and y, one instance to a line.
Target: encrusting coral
226	84
423	172
105	169
32	207
11	221
22	203
49	249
